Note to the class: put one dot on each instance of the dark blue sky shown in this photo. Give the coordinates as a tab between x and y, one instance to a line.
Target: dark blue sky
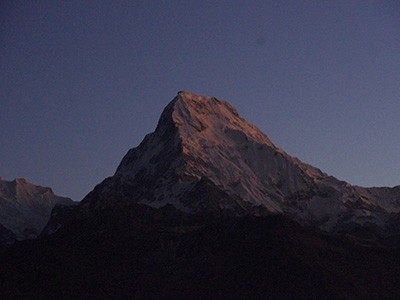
81	82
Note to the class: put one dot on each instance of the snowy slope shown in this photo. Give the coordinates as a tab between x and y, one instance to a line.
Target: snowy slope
25	208
204	156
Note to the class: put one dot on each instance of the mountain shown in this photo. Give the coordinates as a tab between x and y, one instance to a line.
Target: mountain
207	207
25	208
204	157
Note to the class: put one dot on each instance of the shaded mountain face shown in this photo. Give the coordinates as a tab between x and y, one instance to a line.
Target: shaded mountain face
25	208
204	157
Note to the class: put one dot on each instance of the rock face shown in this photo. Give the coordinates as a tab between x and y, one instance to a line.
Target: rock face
25	208
203	156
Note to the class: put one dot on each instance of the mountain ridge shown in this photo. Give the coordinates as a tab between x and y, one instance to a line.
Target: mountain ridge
203	156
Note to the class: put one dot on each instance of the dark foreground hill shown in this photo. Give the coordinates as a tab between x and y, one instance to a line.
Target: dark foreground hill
139	252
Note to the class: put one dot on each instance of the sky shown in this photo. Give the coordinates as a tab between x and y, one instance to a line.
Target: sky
82	82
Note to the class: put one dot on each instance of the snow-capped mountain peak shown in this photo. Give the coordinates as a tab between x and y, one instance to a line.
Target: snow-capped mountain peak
208	118
203	156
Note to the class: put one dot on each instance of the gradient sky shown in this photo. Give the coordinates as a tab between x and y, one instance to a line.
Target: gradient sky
81	82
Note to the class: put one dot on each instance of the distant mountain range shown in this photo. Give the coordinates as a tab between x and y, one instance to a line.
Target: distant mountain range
206	207
25	208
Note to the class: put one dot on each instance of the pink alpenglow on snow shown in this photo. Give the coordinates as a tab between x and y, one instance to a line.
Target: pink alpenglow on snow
203	156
